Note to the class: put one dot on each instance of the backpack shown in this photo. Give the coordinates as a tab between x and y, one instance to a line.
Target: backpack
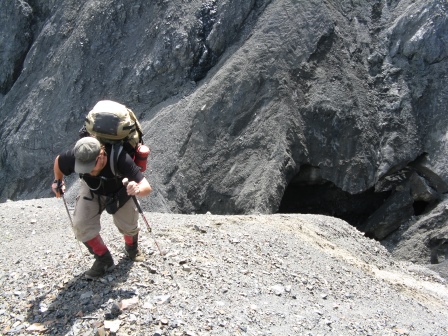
113	123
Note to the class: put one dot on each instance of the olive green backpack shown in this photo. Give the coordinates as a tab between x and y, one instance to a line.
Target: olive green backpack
113	123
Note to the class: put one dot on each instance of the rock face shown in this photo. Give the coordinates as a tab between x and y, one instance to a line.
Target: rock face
242	103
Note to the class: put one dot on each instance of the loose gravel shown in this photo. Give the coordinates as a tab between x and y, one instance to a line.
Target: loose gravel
222	275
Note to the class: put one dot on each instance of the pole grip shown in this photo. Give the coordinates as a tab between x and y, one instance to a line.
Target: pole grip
137	204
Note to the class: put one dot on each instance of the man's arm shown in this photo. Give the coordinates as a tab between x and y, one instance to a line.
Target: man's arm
140	189
58	183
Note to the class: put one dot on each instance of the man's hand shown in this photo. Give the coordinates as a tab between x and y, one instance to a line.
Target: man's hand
141	189
132	188
58	188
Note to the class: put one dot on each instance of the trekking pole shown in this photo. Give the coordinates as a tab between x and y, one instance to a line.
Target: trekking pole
140	210
59	188
137	204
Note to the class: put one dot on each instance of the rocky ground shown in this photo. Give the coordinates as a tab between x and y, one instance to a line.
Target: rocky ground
222	275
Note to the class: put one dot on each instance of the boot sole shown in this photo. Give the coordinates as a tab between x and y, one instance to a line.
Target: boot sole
140	257
91	277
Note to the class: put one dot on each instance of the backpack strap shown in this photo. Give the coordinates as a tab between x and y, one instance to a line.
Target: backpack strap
114	154
100	182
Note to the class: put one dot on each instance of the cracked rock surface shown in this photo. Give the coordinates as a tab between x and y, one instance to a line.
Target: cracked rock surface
222	275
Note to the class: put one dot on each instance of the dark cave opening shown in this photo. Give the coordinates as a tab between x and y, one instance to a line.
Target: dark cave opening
420	207
325	198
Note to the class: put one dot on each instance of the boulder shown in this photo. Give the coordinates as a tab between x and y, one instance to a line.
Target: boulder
395	211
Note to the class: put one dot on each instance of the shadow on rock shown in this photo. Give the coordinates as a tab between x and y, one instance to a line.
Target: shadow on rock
80	301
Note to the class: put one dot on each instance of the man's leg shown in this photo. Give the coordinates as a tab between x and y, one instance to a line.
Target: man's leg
126	220
131	248
103	259
86	222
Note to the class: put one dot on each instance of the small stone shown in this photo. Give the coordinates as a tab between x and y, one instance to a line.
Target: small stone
115	309
162	299
113	326
200	229
278	290
36	327
148	305
100	332
176	323
184	261
86	295
129	303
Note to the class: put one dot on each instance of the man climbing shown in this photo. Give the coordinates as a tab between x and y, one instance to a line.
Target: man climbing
100	189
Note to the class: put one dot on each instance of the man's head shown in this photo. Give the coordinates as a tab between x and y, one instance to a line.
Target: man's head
86	152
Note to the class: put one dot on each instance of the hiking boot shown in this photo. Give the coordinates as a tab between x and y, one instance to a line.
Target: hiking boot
134	253
102	264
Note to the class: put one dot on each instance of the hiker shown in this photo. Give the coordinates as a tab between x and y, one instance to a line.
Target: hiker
100	189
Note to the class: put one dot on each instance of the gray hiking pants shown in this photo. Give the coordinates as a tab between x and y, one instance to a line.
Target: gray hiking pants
86	217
